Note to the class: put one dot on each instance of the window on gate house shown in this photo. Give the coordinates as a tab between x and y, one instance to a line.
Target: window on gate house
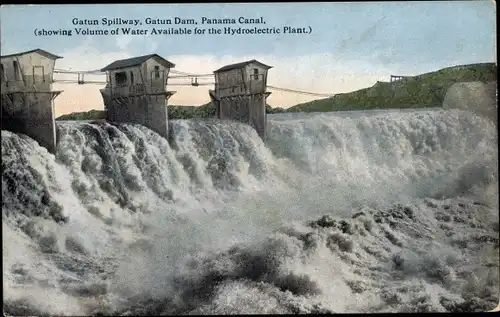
157	72
121	78
16	71
255	74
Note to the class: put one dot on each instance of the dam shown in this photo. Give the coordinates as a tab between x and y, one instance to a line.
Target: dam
135	92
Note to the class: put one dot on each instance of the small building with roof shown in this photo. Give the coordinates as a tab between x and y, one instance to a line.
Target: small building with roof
240	93
27	96
136	91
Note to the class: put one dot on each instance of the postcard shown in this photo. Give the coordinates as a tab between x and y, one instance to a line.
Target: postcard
249	158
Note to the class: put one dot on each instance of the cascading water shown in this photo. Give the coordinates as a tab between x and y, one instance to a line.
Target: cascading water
393	211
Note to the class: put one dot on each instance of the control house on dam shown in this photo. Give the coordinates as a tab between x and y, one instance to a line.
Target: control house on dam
240	94
27	96
136	92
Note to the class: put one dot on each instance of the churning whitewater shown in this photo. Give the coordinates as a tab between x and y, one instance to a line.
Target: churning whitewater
381	212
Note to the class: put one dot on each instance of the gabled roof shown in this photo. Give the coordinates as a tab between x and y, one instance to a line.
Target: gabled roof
241	65
38	50
134	61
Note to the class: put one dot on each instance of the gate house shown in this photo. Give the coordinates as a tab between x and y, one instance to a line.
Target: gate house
136	92
27	95
240	94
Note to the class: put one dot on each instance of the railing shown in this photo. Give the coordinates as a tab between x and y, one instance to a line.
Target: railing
135	89
157	88
31	84
249	87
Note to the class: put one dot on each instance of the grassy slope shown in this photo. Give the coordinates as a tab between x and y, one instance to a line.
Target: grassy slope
426	90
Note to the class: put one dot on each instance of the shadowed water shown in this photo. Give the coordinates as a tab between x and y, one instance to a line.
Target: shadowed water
351	212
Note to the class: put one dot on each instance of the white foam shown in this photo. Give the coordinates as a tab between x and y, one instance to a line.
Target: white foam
140	209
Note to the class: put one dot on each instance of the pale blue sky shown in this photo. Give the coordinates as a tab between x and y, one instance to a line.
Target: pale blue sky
397	32
373	37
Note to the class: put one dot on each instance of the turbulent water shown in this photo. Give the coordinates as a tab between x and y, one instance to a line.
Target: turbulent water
381	212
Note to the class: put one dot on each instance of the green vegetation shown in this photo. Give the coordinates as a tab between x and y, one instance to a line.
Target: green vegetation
89	115
426	90
174	112
188	112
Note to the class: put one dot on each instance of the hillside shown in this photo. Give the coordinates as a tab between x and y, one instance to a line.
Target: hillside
426	90
89	115
174	112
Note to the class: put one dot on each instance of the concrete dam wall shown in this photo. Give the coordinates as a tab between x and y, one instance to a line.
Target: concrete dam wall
477	97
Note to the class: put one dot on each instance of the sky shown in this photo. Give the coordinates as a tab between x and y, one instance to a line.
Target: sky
351	45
